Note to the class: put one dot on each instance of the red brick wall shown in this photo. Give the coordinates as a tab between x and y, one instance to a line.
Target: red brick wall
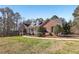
51	24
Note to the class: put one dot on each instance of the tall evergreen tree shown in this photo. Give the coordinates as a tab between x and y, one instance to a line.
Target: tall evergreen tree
76	18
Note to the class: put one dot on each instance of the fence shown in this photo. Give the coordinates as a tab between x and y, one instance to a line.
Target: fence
10	33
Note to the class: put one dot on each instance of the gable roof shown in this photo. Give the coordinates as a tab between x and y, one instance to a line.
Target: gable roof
54	21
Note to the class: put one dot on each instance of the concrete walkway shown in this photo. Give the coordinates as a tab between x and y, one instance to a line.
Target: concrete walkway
59	38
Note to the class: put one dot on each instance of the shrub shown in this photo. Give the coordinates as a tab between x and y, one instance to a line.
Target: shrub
66	28
50	34
41	31
57	29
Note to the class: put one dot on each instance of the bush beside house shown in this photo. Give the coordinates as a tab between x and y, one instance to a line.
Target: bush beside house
41	31
57	30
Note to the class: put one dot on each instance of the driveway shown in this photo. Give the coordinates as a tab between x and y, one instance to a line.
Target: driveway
57	38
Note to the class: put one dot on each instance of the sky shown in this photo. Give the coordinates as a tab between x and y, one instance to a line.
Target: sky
43	11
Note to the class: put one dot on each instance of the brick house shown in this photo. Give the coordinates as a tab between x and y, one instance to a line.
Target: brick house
31	29
51	23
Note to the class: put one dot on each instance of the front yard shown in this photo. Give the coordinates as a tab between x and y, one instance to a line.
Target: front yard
20	45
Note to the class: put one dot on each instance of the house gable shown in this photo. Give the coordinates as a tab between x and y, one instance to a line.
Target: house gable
51	23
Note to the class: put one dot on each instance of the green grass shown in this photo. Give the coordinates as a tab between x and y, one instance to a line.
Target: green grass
18	44
23	45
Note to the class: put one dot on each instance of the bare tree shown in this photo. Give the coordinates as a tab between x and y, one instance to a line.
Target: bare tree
9	20
17	18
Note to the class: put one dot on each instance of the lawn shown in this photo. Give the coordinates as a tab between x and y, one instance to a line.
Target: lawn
24	45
